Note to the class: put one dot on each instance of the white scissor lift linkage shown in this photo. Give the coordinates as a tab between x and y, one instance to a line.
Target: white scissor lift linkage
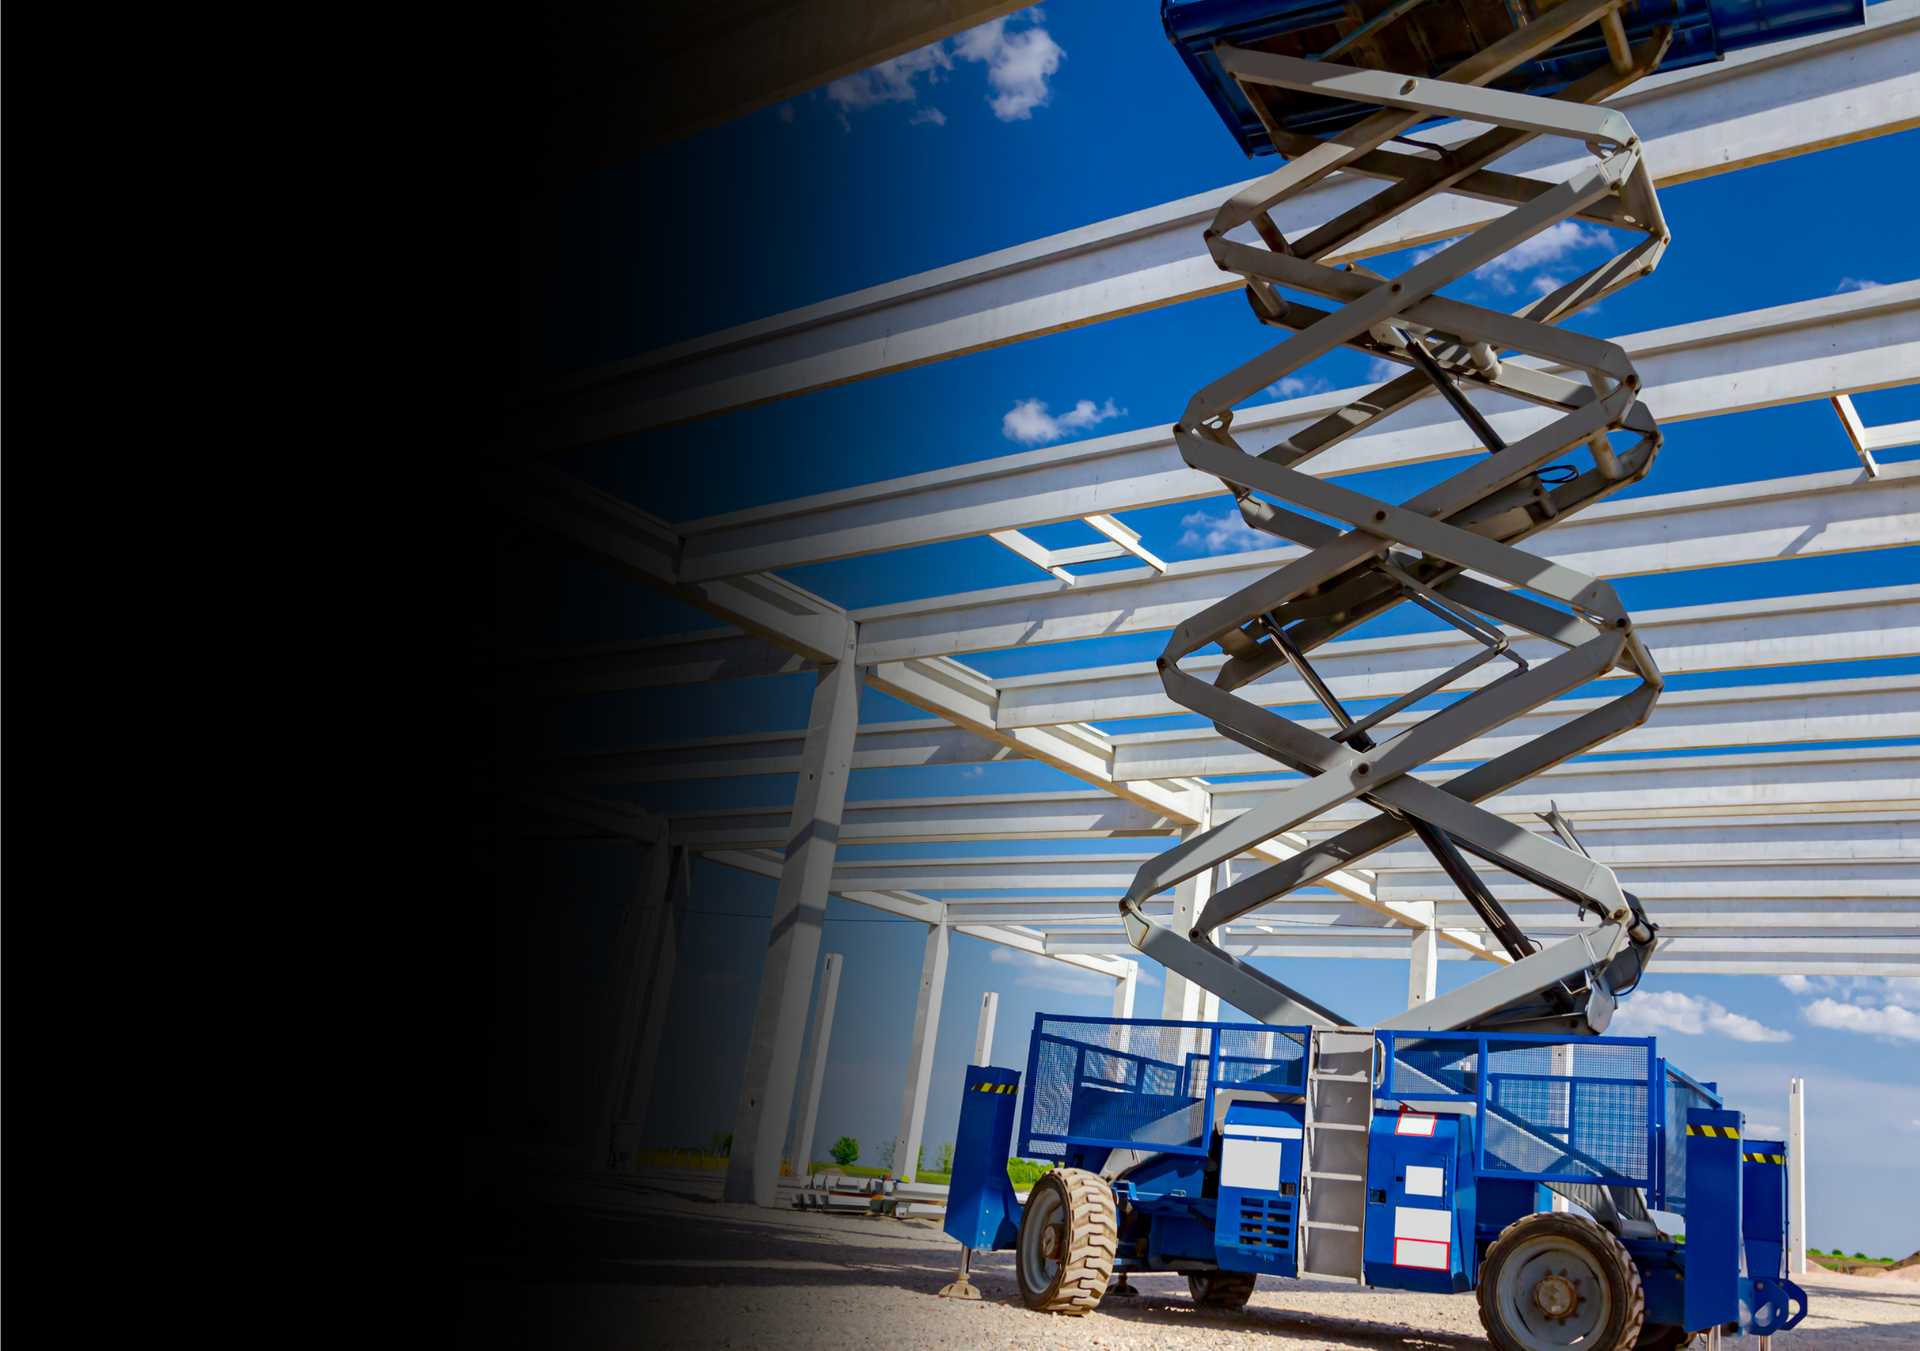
1454	550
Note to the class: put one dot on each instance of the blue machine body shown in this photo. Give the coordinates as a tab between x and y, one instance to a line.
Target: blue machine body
982	1211
1421	1203
1717	1287
1257	1226
1764	1224
1470	1129
1703	31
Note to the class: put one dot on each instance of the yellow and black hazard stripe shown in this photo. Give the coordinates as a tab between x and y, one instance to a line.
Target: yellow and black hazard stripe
1764	1158
1723	1132
996	1088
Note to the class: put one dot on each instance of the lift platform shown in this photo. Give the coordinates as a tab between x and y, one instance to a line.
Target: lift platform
1492	1139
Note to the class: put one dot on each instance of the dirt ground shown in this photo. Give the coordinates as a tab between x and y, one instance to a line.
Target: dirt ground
532	1260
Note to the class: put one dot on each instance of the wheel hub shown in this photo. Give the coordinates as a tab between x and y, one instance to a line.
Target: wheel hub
1051	1241
1556	1296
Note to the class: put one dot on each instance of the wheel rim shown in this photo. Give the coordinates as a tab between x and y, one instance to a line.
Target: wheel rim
1552	1293
1042	1239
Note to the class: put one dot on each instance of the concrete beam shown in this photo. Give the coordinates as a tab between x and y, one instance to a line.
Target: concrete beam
1783	354
1800	517
584	88
1844	86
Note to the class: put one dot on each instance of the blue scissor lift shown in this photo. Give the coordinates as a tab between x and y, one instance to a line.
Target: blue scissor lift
1191	1140
1492	1139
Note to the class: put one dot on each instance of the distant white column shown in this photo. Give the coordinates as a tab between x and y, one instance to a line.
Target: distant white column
816	1063
1123	991
1423	961
926	1023
1181	999
1796	1177
1209	1007
983	1039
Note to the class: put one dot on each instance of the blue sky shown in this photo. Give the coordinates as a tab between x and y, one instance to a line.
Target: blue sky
1055	119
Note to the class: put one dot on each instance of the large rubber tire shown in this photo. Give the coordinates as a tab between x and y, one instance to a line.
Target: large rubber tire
1221	1289
1542	1264
1662	1337
1068	1233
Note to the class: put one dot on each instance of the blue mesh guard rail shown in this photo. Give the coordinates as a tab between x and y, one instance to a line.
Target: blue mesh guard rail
1548	1109
1681	1093
1142	1083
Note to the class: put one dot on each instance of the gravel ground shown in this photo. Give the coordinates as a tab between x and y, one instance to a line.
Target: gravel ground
533	1261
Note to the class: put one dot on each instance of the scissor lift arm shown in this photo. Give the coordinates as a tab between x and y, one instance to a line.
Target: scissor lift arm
1455	550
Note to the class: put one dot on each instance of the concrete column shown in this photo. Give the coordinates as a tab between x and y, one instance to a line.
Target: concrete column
1123	991
628	1045
926	1024
779	1015
816	1063
1209	1007
1422	965
1796	1177
983	1039
1181	998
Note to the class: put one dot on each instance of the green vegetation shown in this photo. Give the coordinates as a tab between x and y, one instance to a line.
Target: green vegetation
845	1150
721	1143
944	1159
1026	1172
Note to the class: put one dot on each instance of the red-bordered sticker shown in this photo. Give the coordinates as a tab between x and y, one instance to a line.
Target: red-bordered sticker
1414	1123
1421	1252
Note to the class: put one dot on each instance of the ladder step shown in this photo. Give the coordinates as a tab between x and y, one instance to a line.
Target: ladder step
1337	1126
1341	1078
1329	1224
1340	1177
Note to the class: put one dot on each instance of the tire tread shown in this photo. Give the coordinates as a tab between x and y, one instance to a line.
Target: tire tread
1087	1268
1601	1239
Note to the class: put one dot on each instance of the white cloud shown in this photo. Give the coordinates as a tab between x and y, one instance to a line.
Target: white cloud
1045	973
1651	1012
1380	370
1227	533
889	82
1890	1022
1018	64
1292	387
1869	991
1854	284
1549	246
1419	256
1018	67
1032	425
